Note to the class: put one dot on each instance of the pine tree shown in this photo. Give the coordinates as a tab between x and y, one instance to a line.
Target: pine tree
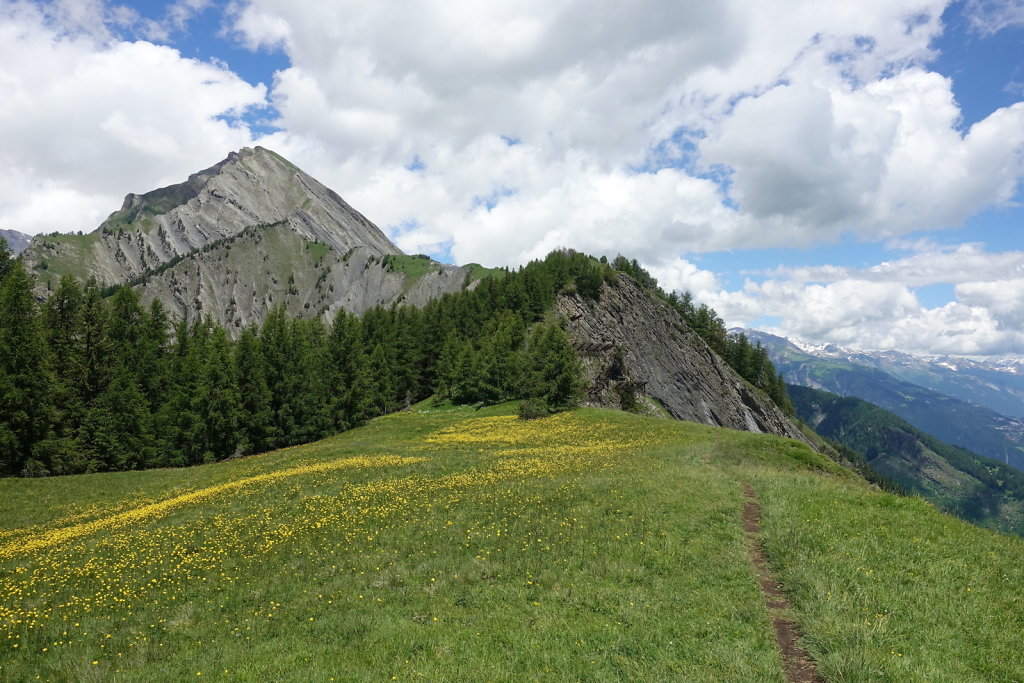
278	352
6	258
554	375
178	423
447	367
382	381
468	376
153	355
501	361
26	384
310	400
116	433
218	399
254	411
63	322
96	347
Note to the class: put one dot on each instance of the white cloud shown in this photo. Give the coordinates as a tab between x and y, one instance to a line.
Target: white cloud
84	122
825	158
1003	299
822	116
929	264
991	16
877	307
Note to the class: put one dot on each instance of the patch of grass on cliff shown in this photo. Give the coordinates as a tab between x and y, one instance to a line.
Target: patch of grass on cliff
317	250
64	254
478	272
413	267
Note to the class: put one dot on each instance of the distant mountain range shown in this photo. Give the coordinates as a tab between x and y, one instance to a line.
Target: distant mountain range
998	384
978	428
17	241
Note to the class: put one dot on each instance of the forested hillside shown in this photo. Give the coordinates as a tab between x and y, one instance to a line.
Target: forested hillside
959	481
101	384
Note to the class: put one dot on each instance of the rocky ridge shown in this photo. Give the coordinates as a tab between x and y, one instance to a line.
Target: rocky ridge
666	360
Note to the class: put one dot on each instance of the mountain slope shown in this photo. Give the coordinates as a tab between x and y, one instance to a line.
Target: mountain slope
969	426
16	241
176	244
460	544
978	489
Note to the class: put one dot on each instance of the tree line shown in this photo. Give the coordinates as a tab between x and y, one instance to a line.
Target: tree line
91	383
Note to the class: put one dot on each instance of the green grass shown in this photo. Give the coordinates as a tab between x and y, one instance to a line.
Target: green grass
478	272
64	254
317	250
414	267
888	589
453	544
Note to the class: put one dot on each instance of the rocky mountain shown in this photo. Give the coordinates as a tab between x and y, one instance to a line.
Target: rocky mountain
956	479
956	422
665	359
238	238
16	241
997	385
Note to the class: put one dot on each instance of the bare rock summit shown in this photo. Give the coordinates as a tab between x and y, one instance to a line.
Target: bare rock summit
232	241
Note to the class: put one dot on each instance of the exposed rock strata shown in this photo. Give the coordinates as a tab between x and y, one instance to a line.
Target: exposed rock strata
679	368
236	239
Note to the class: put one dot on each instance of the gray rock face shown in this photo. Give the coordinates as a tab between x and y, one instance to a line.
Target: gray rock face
679	368
238	238
16	241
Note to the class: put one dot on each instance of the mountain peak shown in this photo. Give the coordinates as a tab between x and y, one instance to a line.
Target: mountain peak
249	188
239	237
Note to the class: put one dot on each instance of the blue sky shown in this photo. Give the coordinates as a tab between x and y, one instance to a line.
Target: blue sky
851	174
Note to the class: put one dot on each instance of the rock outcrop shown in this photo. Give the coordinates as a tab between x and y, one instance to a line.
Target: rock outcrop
667	358
16	241
238	238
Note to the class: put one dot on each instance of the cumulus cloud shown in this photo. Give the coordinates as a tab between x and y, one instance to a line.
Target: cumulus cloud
875	161
662	130
87	119
878	308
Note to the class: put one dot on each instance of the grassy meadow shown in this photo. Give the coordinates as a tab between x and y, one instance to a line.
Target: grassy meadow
461	544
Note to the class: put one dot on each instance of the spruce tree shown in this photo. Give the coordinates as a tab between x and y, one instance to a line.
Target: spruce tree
26	384
255	427
554	374
219	402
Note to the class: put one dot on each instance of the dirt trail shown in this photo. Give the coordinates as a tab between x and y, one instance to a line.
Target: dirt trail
797	665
